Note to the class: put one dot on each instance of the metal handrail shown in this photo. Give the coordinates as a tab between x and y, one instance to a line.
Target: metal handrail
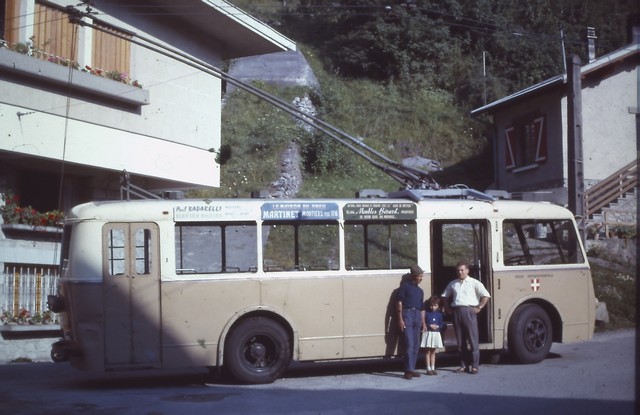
127	189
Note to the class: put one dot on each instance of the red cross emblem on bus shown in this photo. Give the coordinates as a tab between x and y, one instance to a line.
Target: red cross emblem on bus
535	284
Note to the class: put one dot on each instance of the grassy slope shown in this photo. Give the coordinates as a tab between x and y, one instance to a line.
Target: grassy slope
398	122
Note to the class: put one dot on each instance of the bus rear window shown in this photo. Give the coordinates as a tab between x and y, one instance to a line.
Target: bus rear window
540	242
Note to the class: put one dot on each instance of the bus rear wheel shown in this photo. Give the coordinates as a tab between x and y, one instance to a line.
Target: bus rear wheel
530	334
257	351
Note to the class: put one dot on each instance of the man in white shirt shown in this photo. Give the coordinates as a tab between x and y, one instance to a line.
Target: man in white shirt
466	296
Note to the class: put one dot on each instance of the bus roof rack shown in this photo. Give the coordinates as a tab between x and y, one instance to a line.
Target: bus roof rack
449	193
128	189
371	193
455	192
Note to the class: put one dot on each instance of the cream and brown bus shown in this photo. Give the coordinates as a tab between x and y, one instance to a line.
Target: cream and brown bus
252	284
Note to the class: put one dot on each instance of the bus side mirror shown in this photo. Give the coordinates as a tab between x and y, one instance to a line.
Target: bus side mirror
55	303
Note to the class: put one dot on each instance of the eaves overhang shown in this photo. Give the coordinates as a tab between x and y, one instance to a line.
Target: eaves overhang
589	70
238	33
520	95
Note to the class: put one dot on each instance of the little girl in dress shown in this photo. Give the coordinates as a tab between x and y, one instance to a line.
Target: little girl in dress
432	338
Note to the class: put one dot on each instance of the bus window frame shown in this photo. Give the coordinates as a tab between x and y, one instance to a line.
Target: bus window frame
388	223
556	226
222	225
296	240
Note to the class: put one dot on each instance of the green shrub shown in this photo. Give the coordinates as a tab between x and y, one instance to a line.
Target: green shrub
618	291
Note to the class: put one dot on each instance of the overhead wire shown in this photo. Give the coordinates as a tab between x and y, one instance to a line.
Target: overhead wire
478	26
410	177
394	169
66	121
65	134
177	9
33	46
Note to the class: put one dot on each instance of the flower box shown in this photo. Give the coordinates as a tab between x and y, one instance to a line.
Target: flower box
54	328
31	232
52	73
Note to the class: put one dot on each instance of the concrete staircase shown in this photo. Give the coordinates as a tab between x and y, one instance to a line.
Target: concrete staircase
621	213
623	210
613	203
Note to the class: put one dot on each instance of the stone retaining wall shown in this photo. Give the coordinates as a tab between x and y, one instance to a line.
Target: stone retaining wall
32	343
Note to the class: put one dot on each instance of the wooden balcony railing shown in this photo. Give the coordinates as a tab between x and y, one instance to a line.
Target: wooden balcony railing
23	294
611	189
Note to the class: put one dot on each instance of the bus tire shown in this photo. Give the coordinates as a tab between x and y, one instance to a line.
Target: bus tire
530	334
257	351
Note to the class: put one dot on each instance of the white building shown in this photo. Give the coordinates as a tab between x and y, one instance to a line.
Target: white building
66	135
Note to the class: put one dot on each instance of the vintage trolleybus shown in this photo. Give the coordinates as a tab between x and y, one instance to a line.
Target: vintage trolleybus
251	284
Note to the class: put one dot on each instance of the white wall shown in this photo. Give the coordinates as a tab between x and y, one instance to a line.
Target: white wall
46	135
609	129
28	252
169	139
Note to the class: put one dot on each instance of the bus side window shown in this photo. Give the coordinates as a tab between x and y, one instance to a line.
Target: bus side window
295	246
205	248
540	242
375	245
240	253
512	246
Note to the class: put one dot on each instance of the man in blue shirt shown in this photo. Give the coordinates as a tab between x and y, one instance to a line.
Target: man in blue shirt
411	318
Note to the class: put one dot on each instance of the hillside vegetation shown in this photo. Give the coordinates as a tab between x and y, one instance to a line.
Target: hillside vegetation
403	76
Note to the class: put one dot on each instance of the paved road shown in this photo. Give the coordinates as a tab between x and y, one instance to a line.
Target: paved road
595	377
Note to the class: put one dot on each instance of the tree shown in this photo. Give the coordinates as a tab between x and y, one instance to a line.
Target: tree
443	42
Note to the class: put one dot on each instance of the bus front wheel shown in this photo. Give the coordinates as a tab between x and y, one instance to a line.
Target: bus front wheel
530	334
257	351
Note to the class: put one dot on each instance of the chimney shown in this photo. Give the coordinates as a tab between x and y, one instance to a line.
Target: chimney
591	41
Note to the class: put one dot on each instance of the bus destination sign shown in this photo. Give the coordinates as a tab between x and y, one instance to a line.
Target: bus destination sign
210	211
375	211
300	211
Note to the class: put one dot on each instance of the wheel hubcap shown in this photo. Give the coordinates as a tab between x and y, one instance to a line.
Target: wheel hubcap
535	335
257	352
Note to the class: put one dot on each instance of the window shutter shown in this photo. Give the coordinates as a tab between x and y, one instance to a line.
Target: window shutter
541	139
110	53
53	33
510	146
11	21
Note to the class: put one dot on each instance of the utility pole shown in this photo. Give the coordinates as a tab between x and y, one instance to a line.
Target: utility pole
574	142
564	54
484	77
